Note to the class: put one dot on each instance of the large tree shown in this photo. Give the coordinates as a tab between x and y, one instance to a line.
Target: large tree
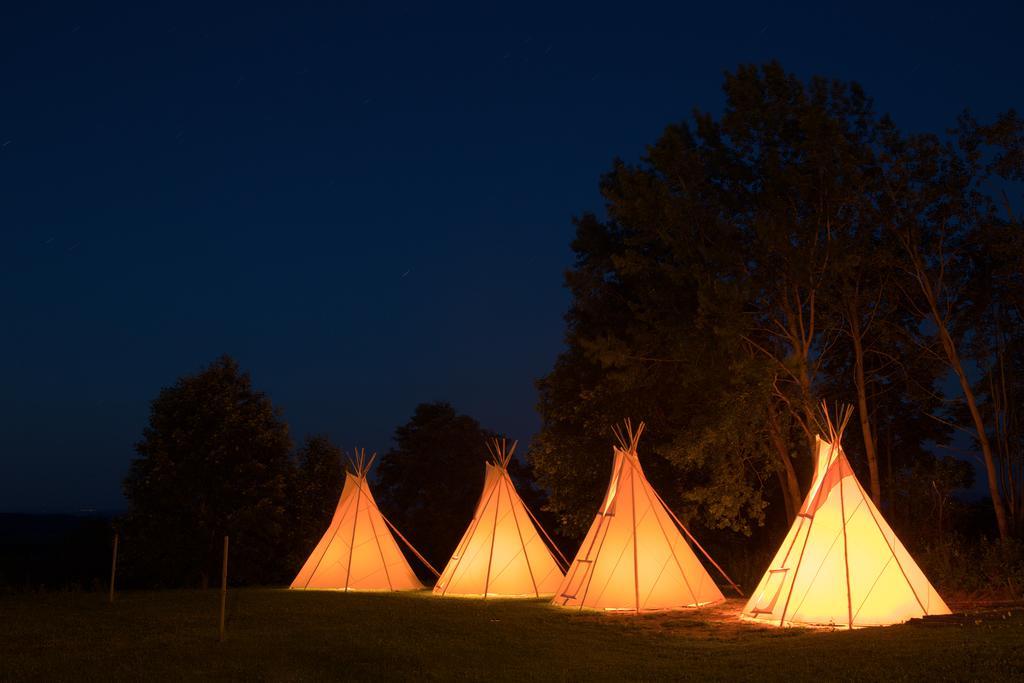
749	266
962	256
699	303
213	461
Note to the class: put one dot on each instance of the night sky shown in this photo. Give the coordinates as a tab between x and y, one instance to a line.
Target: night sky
368	206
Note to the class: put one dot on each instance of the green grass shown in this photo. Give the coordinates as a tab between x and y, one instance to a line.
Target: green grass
282	635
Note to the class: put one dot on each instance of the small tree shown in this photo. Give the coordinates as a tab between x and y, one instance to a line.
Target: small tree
319	478
429	483
213	461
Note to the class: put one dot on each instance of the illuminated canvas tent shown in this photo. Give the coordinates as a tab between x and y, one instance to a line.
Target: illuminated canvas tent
840	564
501	553
634	557
358	552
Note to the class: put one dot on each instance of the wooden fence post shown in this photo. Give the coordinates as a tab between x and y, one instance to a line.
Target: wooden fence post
113	569
223	588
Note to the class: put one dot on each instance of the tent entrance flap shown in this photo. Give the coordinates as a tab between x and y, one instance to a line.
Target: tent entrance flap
574	581
765	601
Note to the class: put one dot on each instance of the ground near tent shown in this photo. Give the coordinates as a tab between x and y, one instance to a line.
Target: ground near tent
282	635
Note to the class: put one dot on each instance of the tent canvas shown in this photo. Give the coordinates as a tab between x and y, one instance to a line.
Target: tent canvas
841	565
501	554
635	558
358	551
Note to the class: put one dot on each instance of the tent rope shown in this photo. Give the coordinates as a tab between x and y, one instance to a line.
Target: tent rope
551	543
410	546
363	468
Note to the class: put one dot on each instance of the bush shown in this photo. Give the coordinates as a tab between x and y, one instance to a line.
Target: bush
964	569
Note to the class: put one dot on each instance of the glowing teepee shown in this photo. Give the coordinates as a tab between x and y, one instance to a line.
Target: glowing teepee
634	557
501	554
358	552
840	564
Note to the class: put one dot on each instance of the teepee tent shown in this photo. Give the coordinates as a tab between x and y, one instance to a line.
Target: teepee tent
358	552
501	554
840	564
634	557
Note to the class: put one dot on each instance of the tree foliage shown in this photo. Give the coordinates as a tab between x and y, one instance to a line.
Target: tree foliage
430	481
317	482
753	264
214	460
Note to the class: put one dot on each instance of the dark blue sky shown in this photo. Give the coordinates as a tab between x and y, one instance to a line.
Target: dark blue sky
368	206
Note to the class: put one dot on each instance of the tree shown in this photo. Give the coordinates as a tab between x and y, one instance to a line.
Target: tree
944	216
319	478
430	481
700	301
997	347
750	265
213	461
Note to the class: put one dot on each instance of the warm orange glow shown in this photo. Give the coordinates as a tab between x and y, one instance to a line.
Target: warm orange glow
634	557
358	551
501	554
841	565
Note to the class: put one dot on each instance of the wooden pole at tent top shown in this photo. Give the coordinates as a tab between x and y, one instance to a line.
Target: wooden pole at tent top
501	452
223	588
113	568
502	456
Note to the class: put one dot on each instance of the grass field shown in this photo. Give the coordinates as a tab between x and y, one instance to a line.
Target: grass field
282	635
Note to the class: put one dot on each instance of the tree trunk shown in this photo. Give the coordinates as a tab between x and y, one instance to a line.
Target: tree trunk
787	475
979	426
809	407
860	381
890	480
787	499
800	337
953	358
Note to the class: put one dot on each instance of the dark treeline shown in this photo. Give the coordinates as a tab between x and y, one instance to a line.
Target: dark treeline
800	248
217	459
54	552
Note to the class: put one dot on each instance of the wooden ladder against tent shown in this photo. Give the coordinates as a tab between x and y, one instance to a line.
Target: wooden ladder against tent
582	566
773	589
